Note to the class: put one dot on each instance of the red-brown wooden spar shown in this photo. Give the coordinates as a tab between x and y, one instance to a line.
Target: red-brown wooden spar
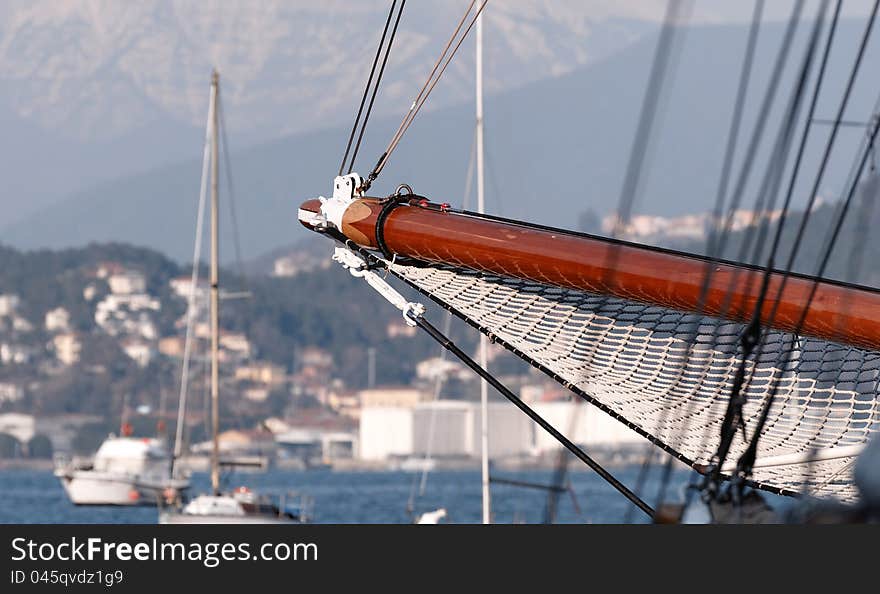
843	313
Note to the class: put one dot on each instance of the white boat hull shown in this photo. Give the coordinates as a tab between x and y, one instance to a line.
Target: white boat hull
242	507
167	517
98	488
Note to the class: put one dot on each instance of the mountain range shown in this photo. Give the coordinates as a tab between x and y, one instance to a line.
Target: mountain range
558	139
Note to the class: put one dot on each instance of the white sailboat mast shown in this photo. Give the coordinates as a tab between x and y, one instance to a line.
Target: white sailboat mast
481	207
215	296
191	300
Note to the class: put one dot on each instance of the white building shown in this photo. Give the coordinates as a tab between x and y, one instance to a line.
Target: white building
67	348
456	429
127	282
21	427
57	320
235	342
8	304
583	424
329	445
392	396
14	353
10	392
127	314
451	428
385	431
20	324
141	352
296	263
182	287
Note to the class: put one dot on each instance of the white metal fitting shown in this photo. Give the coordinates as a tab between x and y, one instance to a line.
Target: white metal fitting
344	193
332	209
358	268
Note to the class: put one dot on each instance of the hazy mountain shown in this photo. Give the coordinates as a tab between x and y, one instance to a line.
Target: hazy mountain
93	90
555	147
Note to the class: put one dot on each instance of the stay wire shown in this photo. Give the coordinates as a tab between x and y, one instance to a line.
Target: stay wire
233	212
752	336
723	183
810	118
747	459
676	15
419	485
676	11
453	348
424	93
760	125
717	246
376	87
733	132
367	88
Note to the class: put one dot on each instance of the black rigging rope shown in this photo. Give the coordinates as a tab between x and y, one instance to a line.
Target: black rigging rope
752	335
810	118
443	340
376	87
367	88
733	133
717	213
747	459
676	16
760	125
233	212
507	393
676	12
716	245
426	90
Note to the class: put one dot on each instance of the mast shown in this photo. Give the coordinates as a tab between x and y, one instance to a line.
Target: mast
481	208
191	300
215	294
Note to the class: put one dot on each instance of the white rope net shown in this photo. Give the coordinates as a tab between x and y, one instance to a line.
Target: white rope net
669	374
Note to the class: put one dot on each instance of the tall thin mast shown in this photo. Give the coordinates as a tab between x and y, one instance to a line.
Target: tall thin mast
481	207
191	301
215	296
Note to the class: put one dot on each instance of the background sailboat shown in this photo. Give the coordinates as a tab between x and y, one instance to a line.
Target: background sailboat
240	505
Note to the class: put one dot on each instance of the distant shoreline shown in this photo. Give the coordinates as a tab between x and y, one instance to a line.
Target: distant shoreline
352	465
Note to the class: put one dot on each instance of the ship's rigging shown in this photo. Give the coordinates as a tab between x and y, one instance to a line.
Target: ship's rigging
680	348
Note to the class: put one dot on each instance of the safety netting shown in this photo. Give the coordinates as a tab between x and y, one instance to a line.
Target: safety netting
668	374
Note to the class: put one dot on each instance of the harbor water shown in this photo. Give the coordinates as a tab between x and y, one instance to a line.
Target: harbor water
344	497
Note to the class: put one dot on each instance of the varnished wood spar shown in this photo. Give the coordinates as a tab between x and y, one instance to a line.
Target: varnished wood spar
839	312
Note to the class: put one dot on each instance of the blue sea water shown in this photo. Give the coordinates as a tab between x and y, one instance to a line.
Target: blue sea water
36	496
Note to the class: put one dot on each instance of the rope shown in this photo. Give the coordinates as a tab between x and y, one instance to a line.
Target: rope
443	340
438	384
224	146
376	88
747	460
752	335
366	89
425	91
675	12
191	298
758	131
717	212
574	449
717	246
